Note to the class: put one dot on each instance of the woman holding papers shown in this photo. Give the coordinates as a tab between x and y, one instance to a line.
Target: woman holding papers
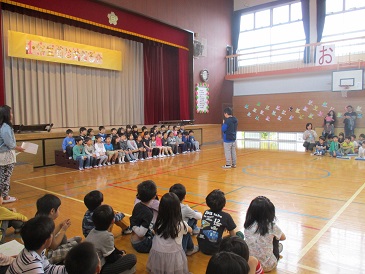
7	151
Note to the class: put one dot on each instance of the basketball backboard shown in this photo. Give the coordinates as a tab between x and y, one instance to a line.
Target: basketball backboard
347	80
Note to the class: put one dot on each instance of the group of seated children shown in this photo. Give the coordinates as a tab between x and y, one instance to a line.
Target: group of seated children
92	151
337	146
166	237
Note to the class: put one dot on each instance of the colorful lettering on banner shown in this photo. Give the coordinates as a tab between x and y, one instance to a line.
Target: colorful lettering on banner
29	46
39	48
325	55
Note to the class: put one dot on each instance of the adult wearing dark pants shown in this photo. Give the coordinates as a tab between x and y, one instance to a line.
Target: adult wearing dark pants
350	117
7	151
229	129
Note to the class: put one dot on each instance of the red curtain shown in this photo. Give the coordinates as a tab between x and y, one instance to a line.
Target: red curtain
184	84
165	83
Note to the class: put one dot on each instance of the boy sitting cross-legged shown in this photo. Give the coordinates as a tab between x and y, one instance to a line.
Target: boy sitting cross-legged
92	200
49	205
37	235
112	259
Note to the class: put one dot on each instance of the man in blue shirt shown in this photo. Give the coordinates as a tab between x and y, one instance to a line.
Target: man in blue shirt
229	129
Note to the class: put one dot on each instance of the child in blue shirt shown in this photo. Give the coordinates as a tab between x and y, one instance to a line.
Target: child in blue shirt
102	133
195	143
112	155
68	143
185	139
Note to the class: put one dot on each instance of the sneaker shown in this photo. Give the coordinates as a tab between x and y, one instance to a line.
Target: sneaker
197	150
142	159
113	163
109	164
104	164
168	155
196	230
173	155
280	247
226	166
96	166
127	231
69	158
233	166
177	153
10	200
194	250
81	168
184	152
99	165
154	157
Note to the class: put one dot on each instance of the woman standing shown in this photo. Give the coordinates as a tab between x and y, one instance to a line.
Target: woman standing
7	151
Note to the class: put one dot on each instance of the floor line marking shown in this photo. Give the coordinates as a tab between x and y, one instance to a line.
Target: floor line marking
43	176
316	238
308	268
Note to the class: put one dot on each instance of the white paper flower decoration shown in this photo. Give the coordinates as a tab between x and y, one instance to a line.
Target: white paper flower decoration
113	19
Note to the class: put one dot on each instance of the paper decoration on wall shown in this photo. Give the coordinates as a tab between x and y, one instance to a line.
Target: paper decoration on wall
324	104
359	115
246	106
113	19
301	117
310	102
315	108
358	109
310	116
305	108
277	107
249	114
257	118
262	112
202	97
279	118
332	108
258	104
339	114
320	114
283	112
267	118
290	109
254	110
291	117
297	110
273	113
267	107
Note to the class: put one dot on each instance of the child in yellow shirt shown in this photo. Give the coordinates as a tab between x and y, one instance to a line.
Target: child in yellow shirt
347	147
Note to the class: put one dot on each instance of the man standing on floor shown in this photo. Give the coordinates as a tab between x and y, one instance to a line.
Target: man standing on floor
349	121
229	129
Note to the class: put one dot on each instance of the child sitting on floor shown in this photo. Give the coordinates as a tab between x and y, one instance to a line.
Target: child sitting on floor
347	147
227	263
49	205
92	200
37	236
335	147
214	223
320	147
9	218
262	235
112	259
190	217
238	246
83	257
141	219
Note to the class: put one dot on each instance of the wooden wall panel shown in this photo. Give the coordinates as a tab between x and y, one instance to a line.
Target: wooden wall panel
307	102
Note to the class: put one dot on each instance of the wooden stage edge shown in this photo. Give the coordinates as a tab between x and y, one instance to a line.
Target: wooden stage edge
49	142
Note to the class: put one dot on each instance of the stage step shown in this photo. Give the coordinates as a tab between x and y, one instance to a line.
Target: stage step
23	168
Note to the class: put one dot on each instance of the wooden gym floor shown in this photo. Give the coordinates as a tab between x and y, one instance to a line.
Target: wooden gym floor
320	201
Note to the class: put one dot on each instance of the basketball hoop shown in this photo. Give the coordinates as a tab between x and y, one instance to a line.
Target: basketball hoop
344	89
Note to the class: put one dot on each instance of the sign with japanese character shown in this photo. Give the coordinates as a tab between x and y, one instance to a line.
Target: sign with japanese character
325	55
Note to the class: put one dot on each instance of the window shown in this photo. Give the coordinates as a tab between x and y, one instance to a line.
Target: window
265	33
343	21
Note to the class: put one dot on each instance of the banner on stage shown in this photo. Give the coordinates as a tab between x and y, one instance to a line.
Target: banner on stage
24	45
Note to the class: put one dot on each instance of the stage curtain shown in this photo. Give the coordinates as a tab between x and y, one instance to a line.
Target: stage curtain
68	95
161	80
184	85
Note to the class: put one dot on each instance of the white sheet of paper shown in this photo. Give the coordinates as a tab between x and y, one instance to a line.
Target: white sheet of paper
11	248
30	147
